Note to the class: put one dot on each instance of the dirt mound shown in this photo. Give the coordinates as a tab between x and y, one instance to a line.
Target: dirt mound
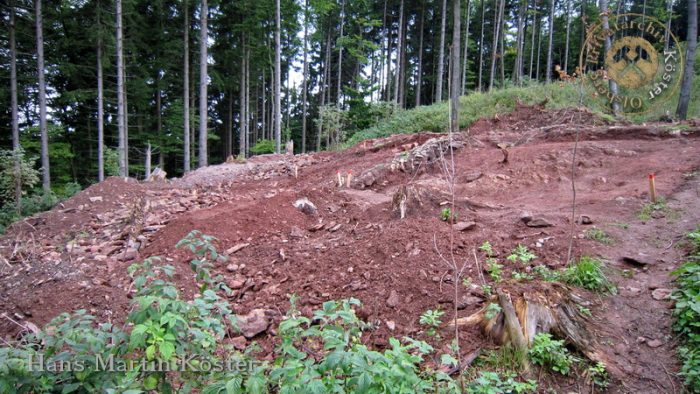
355	245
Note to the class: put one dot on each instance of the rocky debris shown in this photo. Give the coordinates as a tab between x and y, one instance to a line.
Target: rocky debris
305	206
236	283
661	294
426	154
537	222
464	226
654	343
317	227
239	343
369	177
232	267
96	199
390	325
236	248
296	232
468	178
585	220
393	300
253	323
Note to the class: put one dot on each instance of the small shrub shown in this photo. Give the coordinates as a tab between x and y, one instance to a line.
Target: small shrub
522	254
597	376
550	353
588	274
687	313
492	383
492	310
447	215
599	235
494	269
546	274
263	147
431	318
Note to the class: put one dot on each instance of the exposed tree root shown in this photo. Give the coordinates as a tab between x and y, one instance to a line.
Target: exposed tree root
554	309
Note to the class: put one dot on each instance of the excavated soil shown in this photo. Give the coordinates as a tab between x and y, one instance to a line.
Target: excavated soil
76	256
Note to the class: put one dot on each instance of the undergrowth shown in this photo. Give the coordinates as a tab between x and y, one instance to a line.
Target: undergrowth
169	344
687	314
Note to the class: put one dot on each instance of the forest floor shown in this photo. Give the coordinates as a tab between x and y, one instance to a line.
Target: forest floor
76	256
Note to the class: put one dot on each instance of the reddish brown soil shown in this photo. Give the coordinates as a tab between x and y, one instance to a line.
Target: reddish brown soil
374	254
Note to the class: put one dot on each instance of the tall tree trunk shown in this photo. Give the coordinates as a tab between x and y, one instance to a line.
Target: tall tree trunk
550	42
465	62
518	74
203	81
246	100
121	100
687	83
399	54
382	78
305	78
455	66
229	125
441	53
339	91
568	30
242	115
186	89
498	10
278	79
324	90
46	173
502	40
100	101
539	49
419	74
667	35
15	112
481	46
606	48
535	29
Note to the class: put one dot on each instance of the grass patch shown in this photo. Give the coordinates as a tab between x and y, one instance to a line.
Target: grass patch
588	274
599	235
687	314
659	208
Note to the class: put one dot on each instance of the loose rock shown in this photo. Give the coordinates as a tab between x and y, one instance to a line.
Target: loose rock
464	226
306	206
253	323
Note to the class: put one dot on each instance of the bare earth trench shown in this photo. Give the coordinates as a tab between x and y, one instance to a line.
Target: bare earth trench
76	255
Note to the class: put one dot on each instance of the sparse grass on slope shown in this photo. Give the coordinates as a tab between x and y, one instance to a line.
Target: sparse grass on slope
473	107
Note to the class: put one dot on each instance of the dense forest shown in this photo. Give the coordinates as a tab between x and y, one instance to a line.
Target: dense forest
102	85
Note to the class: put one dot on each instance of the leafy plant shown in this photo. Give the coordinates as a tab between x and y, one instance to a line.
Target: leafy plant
517	275
687	313
447	215
588	274
486	248
431	318
492	383
521	253
551	353
599	235
492	310
598	376
263	147
494	269
546	274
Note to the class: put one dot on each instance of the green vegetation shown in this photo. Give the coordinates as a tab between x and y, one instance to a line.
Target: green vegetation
687	313
317	355
447	215
588	274
599	235
647	211
431	319
33	200
494	269
550	353
492	310
472	108
263	147
597	376
493	383
522	254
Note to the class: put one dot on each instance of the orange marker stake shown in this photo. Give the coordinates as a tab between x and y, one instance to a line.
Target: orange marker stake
349	179
652	187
